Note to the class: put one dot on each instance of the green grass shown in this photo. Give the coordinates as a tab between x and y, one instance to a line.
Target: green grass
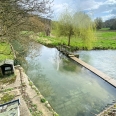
8	79
105	40
26	33
5	51
104	29
6	98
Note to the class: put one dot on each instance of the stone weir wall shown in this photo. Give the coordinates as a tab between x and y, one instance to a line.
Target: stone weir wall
110	111
36	103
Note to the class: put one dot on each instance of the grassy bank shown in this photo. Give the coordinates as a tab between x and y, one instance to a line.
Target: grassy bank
5	51
106	39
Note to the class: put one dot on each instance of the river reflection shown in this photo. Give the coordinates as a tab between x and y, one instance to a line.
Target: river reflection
71	89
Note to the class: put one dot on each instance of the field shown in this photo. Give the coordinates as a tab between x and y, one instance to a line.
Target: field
105	39
5	51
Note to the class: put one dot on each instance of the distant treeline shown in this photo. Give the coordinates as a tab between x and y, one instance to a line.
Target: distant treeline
111	23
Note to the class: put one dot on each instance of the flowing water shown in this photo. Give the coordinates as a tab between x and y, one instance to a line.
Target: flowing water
104	60
71	89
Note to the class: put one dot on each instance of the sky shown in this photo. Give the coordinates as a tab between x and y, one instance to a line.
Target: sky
105	9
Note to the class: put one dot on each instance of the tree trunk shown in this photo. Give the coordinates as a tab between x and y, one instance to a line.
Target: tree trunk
69	40
69	37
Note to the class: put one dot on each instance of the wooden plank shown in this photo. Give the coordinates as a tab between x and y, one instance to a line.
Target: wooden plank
96	71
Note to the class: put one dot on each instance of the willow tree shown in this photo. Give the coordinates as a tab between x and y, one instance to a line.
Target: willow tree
84	28
65	25
79	25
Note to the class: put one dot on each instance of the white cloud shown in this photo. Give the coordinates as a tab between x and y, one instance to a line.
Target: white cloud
99	8
109	11
58	9
108	17
110	2
90	5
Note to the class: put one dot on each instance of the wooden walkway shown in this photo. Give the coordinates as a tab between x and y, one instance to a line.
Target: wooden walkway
94	70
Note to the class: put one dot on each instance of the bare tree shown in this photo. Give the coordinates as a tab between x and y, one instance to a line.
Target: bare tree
14	15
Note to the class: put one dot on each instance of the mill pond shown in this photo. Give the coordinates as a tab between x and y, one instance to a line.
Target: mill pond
71	89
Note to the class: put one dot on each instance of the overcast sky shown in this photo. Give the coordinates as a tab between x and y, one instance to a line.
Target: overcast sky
95	8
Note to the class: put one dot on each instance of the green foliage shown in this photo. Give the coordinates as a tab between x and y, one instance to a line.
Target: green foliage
8	79
78	25
26	33
9	89
84	29
43	100
6	98
55	114
42	34
105	40
104	29
30	83
5	51
99	23
111	23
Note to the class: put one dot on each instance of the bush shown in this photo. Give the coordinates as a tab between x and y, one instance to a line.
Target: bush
43	100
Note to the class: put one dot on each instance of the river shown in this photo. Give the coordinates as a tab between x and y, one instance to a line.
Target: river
71	89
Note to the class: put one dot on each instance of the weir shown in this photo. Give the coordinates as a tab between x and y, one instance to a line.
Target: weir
111	81
64	49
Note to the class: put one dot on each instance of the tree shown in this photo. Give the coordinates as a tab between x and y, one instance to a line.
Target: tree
65	25
14	15
99	23
84	28
79	25
111	23
113	26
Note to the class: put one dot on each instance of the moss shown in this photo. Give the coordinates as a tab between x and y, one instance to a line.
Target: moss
8	79
6	98
30	83
55	114
9	89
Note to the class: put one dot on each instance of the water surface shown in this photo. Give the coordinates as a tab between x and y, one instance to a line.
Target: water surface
104	60
71	89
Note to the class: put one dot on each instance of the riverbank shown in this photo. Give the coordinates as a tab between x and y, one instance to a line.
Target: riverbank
104	40
110	111
30	97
